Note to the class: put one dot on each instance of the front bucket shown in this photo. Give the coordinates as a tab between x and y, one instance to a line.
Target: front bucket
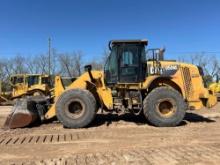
23	114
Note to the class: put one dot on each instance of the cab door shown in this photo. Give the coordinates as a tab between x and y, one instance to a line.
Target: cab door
131	64
111	68
126	64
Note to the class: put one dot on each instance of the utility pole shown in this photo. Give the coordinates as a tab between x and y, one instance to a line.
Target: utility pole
49	56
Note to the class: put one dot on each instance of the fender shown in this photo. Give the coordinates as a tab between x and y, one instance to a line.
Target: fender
153	81
83	82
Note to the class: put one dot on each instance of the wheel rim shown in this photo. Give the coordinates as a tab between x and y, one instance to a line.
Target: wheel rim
166	107
75	108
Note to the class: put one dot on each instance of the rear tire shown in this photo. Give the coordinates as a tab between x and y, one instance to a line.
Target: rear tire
76	108
164	107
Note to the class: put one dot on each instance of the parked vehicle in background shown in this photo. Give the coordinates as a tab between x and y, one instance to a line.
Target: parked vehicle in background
25	85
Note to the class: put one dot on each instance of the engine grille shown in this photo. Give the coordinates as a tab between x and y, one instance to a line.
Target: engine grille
187	81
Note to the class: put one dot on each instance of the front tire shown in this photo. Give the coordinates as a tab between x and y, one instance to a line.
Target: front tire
76	108
164	107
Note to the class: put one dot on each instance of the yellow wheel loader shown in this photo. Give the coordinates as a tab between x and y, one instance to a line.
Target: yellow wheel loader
25	85
160	90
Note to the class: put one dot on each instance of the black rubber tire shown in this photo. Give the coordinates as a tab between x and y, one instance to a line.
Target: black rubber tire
152	114
88	101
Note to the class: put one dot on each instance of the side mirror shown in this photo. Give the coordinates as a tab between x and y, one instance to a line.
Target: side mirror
88	68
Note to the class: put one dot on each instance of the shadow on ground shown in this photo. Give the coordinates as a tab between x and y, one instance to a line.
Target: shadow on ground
194	118
115	119
108	119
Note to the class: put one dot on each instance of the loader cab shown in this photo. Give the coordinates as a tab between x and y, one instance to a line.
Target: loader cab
126	62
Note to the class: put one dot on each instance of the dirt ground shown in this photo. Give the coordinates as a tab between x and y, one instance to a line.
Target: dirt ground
113	139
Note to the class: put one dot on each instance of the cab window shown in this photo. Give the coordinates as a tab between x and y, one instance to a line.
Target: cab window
32	80
111	64
45	80
17	80
129	56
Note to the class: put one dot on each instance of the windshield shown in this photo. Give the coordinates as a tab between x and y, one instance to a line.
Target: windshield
32	80
17	80
129	56
111	67
45	80
111	64
106	64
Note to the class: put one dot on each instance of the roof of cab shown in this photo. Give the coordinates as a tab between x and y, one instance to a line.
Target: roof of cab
144	41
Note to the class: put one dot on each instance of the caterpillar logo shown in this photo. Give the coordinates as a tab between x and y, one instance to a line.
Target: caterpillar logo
167	70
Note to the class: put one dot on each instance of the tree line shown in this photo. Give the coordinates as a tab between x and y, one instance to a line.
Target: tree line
71	64
64	64
210	64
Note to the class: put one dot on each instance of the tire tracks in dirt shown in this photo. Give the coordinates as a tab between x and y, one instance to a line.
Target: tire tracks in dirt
208	154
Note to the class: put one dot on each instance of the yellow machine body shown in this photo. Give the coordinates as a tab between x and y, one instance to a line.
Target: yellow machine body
26	84
29	84
215	88
187	80
160	90
83	82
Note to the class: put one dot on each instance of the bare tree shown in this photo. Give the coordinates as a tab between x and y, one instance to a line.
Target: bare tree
18	64
105	55
70	64
32	65
96	65
15	65
214	66
78	63
209	63
42	63
66	64
3	74
11	66
54	63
